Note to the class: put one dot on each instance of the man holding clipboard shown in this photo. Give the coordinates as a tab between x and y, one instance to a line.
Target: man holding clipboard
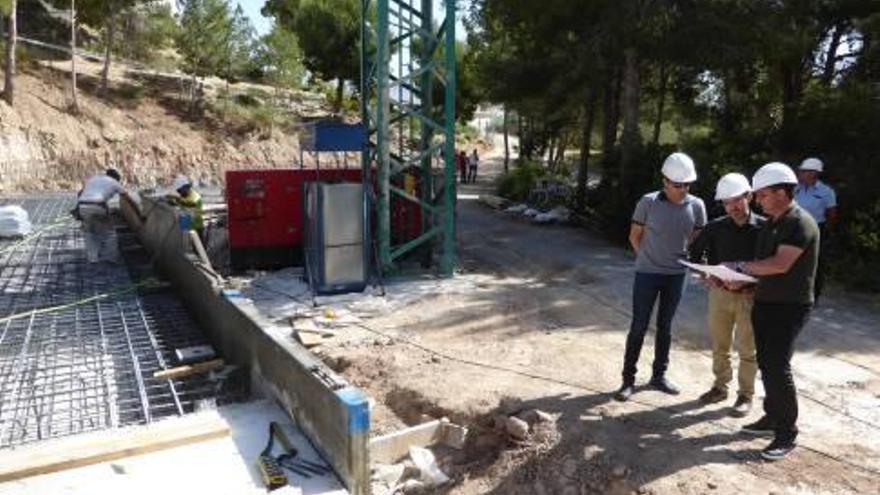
786	257
730	238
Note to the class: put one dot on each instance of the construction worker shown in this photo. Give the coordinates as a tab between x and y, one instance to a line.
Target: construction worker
787	254
820	201
94	211
663	224
190	201
731	237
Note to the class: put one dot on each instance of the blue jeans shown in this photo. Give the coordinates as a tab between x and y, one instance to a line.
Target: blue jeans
646	289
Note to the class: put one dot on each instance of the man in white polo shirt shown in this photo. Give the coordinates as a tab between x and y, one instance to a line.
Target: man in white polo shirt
820	201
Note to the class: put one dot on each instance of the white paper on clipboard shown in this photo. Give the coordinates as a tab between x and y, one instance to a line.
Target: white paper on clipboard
720	272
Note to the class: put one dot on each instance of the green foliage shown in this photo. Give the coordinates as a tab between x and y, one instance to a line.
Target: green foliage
281	59
214	40
519	182
329	34
6	6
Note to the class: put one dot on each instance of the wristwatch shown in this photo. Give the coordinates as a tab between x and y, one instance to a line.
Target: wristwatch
739	266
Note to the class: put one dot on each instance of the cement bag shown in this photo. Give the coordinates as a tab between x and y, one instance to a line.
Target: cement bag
14	221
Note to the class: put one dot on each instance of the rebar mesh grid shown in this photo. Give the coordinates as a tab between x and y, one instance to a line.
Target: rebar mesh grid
69	366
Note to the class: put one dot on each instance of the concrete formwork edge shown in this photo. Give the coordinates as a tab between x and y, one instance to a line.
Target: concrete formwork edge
331	412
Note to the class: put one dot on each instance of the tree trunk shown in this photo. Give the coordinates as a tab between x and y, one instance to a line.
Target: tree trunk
75	103
609	129
586	137
831	54
519	134
506	141
11	38
631	137
337	105
111	32
792	91
661	102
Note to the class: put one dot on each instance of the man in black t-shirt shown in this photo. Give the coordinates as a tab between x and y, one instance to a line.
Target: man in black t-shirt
787	254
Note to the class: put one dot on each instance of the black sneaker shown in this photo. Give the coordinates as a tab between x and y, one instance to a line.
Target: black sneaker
762	427
712	396
778	449
624	393
664	385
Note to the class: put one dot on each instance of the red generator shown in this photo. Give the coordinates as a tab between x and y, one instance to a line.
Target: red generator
266	214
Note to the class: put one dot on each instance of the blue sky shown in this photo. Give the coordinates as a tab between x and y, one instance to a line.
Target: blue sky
263	25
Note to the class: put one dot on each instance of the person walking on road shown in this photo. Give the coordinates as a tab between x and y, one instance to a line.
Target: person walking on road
94	211
462	161
473	164
663	224
787	254
820	201
730	238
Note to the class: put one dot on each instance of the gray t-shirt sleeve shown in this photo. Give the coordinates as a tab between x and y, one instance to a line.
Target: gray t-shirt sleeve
699	214
640	216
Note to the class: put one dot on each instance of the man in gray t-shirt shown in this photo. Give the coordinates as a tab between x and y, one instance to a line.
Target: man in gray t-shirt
663	224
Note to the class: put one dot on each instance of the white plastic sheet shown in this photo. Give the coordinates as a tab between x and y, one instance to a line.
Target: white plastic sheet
14	221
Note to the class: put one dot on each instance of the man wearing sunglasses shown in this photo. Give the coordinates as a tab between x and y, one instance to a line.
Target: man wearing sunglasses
732	237
663	225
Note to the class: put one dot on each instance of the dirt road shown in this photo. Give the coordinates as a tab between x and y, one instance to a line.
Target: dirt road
549	328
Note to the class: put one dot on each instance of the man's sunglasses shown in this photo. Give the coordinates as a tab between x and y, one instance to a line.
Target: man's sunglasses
679	185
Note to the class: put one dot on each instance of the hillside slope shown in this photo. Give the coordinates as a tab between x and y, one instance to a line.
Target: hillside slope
142	128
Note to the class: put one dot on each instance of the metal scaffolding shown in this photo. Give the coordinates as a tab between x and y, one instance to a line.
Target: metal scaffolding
79	343
404	54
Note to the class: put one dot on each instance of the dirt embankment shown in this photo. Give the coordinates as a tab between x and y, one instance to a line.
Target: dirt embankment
141	127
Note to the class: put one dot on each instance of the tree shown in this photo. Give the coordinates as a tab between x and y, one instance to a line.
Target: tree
106	14
8	8
203	40
329	34
280	58
74	103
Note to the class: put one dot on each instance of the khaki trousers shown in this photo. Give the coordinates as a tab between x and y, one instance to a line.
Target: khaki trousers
730	316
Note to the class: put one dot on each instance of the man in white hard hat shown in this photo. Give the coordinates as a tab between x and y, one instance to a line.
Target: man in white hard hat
663	224
93	209
190	201
732	237
786	257
820	200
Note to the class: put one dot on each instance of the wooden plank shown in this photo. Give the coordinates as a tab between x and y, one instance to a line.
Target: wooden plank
83	450
189	369
390	448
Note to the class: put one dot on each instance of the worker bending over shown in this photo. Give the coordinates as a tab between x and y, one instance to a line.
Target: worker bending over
93	210
190	201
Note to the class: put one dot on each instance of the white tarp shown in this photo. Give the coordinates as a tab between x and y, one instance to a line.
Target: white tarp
14	221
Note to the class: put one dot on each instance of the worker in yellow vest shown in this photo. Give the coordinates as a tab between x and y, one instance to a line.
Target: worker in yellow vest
190	201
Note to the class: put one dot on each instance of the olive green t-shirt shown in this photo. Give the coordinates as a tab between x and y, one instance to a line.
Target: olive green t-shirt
795	228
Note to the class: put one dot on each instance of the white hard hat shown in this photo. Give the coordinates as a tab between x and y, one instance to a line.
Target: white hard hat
679	167
773	174
181	181
732	186
812	164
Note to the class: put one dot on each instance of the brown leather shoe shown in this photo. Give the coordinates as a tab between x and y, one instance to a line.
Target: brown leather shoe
742	407
712	396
